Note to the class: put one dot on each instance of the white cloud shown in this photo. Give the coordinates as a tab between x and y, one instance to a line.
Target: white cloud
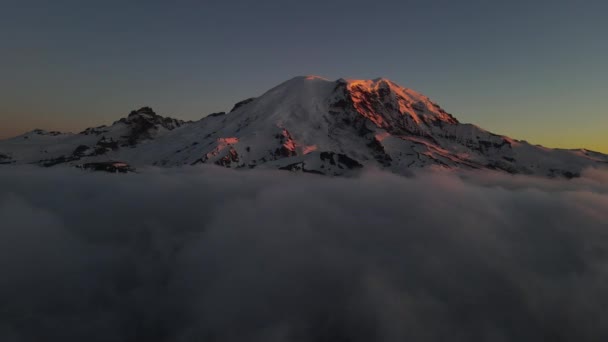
214	254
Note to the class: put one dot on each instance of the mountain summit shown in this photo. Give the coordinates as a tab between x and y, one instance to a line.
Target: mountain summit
307	124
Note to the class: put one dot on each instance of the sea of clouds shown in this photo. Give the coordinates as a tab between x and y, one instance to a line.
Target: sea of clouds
208	254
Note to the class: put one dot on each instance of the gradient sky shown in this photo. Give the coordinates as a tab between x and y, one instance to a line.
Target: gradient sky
533	70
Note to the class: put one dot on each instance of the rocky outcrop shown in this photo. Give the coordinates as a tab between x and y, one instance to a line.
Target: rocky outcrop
5	159
144	124
108	166
242	103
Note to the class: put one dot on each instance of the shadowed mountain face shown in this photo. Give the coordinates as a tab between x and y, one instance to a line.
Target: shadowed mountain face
306	124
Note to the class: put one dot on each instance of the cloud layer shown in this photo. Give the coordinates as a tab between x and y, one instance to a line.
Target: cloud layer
217	255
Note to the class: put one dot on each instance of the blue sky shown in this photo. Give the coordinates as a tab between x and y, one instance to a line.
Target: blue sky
534	70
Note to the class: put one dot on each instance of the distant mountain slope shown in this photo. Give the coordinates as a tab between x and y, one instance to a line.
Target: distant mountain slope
306	124
52	148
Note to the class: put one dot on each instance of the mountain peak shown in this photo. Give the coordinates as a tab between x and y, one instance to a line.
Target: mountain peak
303	81
307	124
143	111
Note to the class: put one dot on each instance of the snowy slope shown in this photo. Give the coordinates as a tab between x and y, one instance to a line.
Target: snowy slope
306	124
51	148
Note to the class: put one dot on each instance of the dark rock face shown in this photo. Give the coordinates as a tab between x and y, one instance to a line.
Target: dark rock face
146	114
562	173
333	164
242	103
140	130
503	166
300	167
143	111
106	145
213	115
102	147
379	152
231	157
144	123
109	166
348	162
287	148
283	152
342	161
5	159
80	151
43	132
57	161
95	130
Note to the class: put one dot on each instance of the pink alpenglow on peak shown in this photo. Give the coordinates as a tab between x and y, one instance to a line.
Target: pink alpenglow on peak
420	109
314	77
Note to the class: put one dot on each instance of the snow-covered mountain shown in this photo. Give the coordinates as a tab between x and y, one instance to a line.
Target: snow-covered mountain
51	148
306	124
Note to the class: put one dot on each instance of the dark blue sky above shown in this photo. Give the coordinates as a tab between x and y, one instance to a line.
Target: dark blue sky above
534	70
